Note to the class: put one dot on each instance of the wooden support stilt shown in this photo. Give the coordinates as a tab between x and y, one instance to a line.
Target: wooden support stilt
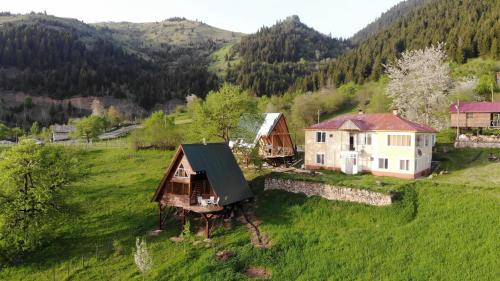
207	218
159	216
183	216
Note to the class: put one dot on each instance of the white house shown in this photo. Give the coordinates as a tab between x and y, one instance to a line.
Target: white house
384	144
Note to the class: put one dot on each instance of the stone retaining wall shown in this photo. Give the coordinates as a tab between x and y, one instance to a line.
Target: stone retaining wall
329	192
471	144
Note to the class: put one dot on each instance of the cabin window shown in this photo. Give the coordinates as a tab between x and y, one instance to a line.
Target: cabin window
383	163
320	136
398	140
181	172
404	165
433	140
426	140
320	159
469	115
178	188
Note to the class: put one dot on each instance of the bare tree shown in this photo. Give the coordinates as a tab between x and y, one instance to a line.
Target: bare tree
419	84
97	108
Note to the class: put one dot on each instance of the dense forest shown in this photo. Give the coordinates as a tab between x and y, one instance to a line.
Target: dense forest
274	57
51	58
468	28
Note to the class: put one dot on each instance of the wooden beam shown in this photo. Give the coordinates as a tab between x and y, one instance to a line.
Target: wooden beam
159	216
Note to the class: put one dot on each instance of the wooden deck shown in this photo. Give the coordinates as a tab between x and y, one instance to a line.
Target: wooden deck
182	201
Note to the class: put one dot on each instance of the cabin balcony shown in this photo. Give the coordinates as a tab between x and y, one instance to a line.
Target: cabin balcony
278	151
201	204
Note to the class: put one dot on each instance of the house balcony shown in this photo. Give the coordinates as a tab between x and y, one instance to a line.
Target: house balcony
349	148
495	124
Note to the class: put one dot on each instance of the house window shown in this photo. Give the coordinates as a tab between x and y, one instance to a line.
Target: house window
383	163
320	159
181	172
469	115
404	165
368	139
418	140
320	136
433	140
426	140
398	140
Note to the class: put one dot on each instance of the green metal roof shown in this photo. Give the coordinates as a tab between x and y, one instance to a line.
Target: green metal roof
222	170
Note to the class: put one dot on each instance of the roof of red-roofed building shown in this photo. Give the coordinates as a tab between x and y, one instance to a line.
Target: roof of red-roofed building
476	107
373	122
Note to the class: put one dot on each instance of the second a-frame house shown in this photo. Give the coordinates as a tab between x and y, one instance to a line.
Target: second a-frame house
270	133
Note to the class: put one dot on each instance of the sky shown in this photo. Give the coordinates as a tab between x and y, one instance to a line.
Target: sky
341	18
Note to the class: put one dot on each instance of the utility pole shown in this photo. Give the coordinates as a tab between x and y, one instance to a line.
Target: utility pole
457	106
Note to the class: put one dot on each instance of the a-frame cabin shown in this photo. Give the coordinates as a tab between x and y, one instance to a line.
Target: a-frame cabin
271	135
204	179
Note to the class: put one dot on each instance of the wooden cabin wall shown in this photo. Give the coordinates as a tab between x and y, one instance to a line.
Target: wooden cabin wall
470	120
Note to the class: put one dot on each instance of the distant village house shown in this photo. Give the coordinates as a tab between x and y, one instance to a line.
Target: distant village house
62	132
384	144
465	115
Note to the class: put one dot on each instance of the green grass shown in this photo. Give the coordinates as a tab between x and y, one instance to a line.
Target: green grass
218	64
444	228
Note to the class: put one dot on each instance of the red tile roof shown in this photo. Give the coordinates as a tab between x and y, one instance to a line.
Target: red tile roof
476	107
374	122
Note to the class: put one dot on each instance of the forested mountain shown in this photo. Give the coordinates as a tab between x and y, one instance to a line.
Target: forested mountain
274	57
60	58
469	29
386	19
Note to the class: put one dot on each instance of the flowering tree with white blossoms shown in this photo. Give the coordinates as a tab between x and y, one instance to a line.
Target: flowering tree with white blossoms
141	256
419	84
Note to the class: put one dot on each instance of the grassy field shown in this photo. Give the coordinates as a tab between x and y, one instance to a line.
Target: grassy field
444	228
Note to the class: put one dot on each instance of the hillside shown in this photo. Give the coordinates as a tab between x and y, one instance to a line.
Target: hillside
274	57
173	31
443	228
470	29
43	55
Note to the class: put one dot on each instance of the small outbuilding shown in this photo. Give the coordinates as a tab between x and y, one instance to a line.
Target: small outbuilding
466	115
204	179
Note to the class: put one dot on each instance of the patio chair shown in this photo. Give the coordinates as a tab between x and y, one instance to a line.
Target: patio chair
199	199
204	203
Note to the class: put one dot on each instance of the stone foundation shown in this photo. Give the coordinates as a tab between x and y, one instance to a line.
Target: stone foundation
471	144
330	192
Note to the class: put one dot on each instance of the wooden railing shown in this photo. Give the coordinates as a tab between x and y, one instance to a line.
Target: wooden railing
176	200
278	151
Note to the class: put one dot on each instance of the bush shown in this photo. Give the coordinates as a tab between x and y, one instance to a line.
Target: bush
159	132
446	136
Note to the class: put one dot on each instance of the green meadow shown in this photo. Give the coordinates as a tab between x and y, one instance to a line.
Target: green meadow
444	228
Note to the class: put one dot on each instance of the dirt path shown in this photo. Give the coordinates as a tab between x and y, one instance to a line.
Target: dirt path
252	223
